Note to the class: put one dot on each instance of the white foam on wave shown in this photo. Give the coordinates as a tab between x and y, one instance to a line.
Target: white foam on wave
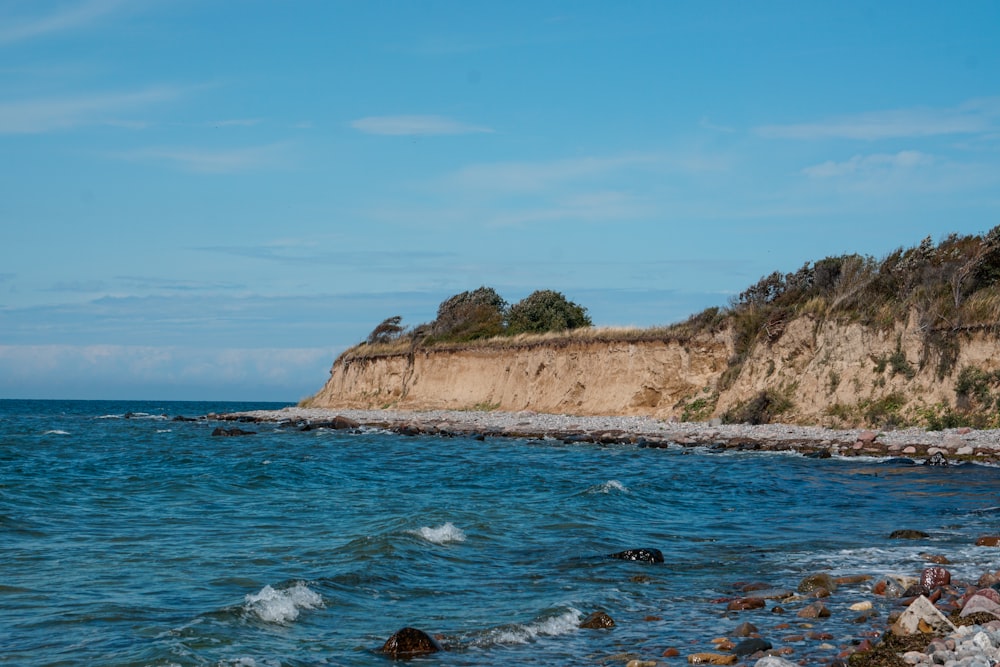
443	534
282	606
56	431
610	486
518	633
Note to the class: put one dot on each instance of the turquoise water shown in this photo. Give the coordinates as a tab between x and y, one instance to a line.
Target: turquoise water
146	541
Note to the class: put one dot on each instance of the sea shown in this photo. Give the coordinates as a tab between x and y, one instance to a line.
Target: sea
129	537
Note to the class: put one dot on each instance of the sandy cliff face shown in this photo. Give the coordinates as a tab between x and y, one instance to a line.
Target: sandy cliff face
830	373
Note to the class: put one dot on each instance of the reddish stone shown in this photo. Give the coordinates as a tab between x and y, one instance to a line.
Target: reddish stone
814	610
743	604
990	594
934	577
964	430
867	437
671	653
988	541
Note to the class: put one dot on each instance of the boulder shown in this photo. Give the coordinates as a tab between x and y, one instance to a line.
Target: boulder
743	604
751	646
410	642
597	621
936	459
980	604
934	577
921	617
867	437
744	629
229	432
908	534
814	610
988	541
774	661
711	659
644	555
818	580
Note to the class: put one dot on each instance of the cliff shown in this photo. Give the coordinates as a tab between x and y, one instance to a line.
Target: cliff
807	370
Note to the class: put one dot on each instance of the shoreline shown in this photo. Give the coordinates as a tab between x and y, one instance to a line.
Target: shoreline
936	447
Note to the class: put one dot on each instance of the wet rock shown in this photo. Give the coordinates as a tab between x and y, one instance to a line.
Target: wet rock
744	629
338	423
921	617
774	661
230	432
988	541
597	621
934	577
711	659
814	610
861	606
936	459
751	646
410	642
744	604
671	652
640	663
643	555
936	558
908	534
818	580
890	587
853	579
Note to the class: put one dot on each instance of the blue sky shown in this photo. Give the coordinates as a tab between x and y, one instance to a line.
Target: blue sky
210	200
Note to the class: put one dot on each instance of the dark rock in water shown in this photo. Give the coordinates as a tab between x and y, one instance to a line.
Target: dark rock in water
338	423
814	610
644	555
751	646
597	621
410	642
182	418
937	459
228	432
818	580
899	461
988	541
907	534
819	454
744	629
744	604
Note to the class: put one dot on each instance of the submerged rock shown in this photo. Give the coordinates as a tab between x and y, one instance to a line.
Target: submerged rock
751	646
644	555
816	581
410	642
908	534
229	432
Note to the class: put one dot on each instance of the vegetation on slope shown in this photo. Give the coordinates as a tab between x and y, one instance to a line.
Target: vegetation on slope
946	289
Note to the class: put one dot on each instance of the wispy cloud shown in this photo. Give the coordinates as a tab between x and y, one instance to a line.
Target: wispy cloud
66	17
214	161
416	126
541	176
868	164
974	116
47	115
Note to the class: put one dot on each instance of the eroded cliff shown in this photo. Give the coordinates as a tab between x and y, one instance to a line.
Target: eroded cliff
812	370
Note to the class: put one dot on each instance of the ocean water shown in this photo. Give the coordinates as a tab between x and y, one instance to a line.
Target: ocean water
128	538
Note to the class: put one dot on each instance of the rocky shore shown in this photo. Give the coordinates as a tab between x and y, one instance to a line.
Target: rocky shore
926	618
949	445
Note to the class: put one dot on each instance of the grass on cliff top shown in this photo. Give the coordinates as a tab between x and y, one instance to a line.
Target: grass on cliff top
949	288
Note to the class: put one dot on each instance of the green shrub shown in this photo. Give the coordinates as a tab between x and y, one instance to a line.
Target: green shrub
470	315
544	311
763	408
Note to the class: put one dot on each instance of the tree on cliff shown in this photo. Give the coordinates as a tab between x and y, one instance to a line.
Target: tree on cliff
545	310
472	314
389	330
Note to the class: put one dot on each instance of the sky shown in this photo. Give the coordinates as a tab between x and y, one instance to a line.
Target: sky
210	200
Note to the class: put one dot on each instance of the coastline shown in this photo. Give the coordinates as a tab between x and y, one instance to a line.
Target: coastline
949	445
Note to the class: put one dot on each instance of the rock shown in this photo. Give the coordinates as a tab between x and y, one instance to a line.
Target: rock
818	580
711	659
744	629
936	459
597	621
861	606
410	642
744	604
988	541
980	604
990	593
774	661
908	534
936	558
671	653
889	587
643	555
867	437
814	610
770	593
751	646
921	616
934	577
230	432
853	579
640	663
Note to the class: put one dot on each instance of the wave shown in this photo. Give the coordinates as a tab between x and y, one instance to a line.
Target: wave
443	534
56	431
522	633
610	486
273	605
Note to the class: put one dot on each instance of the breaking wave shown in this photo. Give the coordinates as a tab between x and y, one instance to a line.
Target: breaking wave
281	605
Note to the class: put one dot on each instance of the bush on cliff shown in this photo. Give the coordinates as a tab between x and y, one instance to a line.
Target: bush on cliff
544	311
470	315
